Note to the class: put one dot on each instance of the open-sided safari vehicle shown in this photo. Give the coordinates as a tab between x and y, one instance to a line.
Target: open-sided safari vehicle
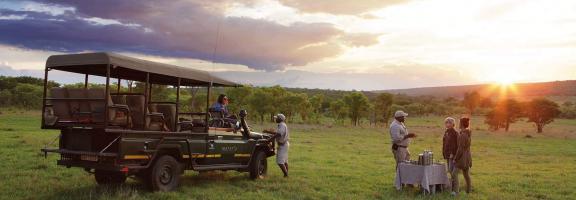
116	135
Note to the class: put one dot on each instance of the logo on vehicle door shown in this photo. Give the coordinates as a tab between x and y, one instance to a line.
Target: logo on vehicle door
229	149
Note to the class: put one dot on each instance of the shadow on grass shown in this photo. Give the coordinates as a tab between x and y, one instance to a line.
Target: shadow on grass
129	190
136	189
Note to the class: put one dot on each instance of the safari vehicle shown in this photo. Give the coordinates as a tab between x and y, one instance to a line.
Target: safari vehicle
117	135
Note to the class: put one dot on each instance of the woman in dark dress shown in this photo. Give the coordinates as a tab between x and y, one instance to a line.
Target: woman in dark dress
463	158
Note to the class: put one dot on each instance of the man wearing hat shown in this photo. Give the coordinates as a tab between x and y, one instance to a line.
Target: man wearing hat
400	137
282	137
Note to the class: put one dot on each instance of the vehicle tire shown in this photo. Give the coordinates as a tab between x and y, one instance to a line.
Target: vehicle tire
165	174
104	177
259	166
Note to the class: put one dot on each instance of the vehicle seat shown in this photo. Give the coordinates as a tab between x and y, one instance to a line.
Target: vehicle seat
168	111
193	125
217	118
141	118
118	114
80	109
60	109
118	99
136	105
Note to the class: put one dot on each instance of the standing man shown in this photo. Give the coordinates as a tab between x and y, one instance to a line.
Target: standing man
282	137
400	137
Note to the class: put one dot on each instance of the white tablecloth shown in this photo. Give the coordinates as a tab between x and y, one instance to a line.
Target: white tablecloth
421	175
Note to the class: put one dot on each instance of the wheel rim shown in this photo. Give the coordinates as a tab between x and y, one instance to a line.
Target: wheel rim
166	175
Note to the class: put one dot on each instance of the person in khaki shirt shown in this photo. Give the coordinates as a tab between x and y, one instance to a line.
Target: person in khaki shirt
400	137
282	137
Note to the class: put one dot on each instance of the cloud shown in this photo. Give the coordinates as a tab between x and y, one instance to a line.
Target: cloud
339	7
399	77
360	39
184	29
58	76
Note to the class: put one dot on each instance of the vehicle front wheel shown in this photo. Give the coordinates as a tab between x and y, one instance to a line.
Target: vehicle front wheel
259	166
165	174
109	177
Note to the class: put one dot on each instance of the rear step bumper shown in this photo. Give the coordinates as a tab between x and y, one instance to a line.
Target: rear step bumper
72	152
86	159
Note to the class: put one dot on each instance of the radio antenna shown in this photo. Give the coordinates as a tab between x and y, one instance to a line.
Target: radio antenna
215	50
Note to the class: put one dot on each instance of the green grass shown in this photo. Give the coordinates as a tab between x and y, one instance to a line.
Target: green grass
326	162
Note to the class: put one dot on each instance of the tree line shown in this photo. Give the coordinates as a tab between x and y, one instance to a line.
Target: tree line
316	105
22	92
504	112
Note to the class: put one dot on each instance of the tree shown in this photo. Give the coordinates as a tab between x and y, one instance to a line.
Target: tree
7	82
471	101
238	98
305	107
503	114
383	107
486	102
276	93
357	106
5	98
294	103
415	108
261	103
316	106
338	109
542	111
495	120
162	93
316	103
28	96
198	103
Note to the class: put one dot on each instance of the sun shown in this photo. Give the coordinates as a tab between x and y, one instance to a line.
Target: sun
505	82
504	77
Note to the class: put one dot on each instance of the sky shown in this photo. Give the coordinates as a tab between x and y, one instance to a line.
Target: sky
328	44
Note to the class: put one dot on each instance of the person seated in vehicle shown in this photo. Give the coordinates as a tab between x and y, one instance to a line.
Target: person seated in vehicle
221	105
219	111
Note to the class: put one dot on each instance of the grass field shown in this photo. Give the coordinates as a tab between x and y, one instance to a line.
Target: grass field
325	162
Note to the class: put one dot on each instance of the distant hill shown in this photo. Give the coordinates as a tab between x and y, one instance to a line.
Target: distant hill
518	90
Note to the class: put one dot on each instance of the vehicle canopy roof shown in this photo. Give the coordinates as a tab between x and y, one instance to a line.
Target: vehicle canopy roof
135	69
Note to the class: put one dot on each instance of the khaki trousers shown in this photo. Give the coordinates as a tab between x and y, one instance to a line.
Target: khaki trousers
401	154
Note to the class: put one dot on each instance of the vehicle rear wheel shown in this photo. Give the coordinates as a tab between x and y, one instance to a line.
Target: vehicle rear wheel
109	177
165	174
259	166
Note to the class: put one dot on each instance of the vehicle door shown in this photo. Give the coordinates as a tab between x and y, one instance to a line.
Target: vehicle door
227	148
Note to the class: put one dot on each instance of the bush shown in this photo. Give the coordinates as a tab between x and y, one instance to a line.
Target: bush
27	96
